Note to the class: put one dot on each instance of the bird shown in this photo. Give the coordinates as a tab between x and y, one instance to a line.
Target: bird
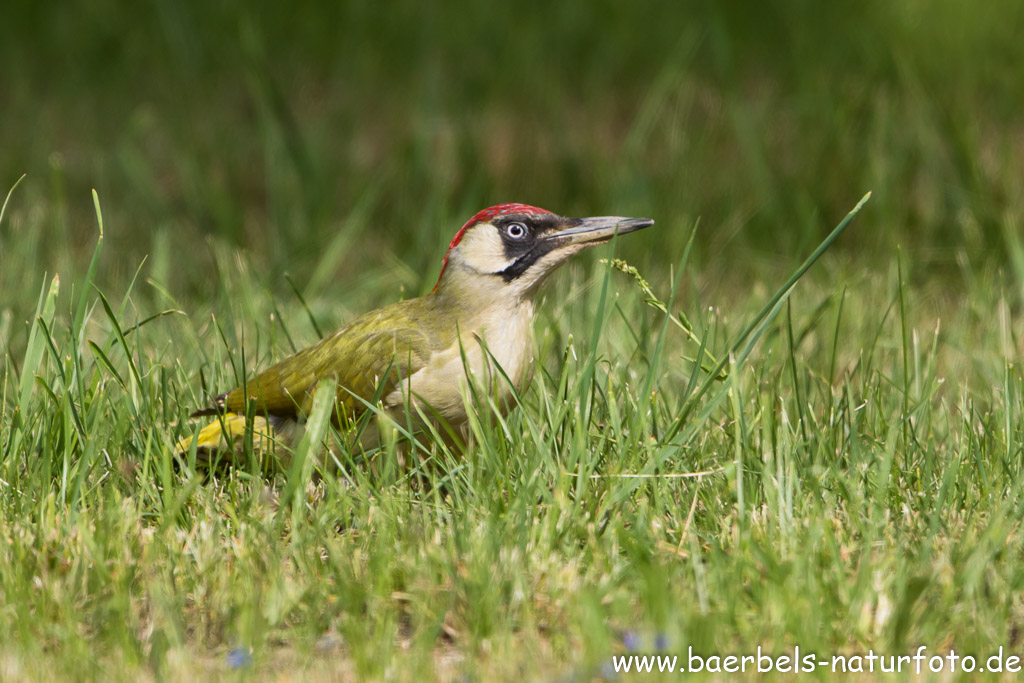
417	356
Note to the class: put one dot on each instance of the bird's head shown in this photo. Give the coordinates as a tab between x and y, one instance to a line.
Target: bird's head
515	246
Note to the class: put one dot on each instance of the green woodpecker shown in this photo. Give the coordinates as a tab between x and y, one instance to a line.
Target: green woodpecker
419	351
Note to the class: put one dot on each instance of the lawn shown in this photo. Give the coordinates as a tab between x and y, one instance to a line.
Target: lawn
720	449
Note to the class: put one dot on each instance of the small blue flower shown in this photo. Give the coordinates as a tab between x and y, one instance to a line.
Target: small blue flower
608	671
239	658
661	641
631	640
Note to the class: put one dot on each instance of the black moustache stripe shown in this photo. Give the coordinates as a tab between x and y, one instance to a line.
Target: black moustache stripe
523	263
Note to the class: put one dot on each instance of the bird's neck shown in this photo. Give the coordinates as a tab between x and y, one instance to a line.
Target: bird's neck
488	316
482	302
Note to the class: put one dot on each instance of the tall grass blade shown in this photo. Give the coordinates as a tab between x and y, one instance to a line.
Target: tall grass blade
767	312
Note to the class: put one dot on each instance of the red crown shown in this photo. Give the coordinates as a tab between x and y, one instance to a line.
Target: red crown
484	216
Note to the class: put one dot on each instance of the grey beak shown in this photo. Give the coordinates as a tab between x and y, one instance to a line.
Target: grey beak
600	229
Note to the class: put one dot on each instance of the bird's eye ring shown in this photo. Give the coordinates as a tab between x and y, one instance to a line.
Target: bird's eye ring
516	231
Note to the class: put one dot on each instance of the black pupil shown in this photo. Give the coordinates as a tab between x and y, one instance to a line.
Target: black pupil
516	230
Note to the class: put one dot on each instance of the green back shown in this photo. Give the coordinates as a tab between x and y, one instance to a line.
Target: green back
371	354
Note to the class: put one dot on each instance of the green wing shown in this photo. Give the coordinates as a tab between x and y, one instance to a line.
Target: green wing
371	354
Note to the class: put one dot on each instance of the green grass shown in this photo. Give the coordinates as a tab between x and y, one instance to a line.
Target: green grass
851	479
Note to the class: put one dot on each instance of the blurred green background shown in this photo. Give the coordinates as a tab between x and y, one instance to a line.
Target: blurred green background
864	477
334	141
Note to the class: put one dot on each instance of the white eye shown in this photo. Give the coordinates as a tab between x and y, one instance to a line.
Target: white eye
516	231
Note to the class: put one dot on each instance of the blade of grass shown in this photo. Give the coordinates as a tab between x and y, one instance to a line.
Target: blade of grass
36	344
301	467
3	209
90	274
767	311
305	306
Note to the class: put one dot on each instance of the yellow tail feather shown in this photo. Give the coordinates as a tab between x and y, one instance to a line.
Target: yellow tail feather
228	434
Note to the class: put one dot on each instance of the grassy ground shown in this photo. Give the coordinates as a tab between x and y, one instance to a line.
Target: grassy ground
855	483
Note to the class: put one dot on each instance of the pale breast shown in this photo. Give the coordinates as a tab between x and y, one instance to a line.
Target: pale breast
507	336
